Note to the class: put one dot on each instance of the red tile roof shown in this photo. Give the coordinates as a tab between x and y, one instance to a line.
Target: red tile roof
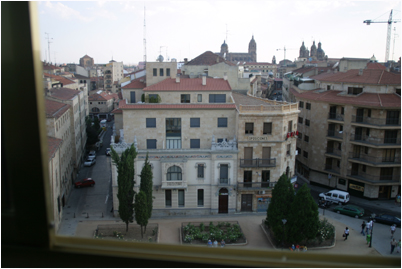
64	93
103	96
53	144
117	111
306	69
190	84
124	105
369	76
61	79
208	58
136	84
255	63
54	109
371	65
364	99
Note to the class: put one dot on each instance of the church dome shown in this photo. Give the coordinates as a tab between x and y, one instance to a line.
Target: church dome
224	44
302	46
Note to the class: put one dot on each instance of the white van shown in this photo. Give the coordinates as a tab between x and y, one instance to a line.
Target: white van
336	196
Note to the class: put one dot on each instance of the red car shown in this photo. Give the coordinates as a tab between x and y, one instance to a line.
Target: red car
85	182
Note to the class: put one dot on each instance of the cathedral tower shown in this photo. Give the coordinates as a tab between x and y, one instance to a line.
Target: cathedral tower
252	49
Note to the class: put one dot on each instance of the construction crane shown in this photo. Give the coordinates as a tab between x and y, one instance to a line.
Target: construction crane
284	52
390	21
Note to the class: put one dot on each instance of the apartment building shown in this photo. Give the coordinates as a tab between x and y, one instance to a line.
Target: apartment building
101	104
159	71
349	132
112	72
75	99
191	134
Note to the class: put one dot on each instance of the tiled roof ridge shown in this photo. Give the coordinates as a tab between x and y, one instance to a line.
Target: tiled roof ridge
62	108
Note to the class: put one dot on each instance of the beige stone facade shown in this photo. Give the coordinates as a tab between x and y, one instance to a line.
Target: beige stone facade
158	71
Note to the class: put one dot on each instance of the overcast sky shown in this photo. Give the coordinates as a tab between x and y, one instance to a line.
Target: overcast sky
185	29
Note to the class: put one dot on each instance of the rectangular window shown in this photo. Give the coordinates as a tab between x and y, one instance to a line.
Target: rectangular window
305	154
290	126
222	122
366	150
151	122
390	136
224	173
392	117
153	98
181	198
168	198
267	129
217	98
168	72
301	104
342	181
308	106
151	143
249	128
185	98
298	151
369	113
199	98
200	197
300	120
195	143
288	149
307	122
328	87
342	111
219	140
132	97
265	178
155	72
161	72
200	170
194	122
354	91
300	136
306	138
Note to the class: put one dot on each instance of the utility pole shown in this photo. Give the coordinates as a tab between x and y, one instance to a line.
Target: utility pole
145	41
48	44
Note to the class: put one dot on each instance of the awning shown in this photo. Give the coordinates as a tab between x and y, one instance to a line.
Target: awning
264	196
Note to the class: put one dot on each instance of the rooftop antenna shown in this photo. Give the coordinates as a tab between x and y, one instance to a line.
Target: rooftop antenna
48	44
55	58
145	41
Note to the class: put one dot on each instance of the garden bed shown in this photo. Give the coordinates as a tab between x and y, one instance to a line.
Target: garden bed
118	232
200	232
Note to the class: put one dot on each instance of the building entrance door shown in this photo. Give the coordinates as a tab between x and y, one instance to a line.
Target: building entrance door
223	201
384	192
247	202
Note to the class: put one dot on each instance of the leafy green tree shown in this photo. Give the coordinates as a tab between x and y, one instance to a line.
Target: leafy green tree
146	185
92	134
141	211
125	182
96	125
303	217
279	207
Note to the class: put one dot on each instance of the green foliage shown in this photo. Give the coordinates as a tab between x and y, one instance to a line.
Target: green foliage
147	184
202	227
325	231
96	125
303	221
141	210
229	233
125	182
92	135
143	98
279	208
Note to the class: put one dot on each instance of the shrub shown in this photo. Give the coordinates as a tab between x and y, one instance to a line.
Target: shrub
202	227
325	231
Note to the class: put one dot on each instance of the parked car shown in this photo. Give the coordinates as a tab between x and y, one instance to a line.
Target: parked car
336	196
108	152
92	153
388	219
85	183
351	210
90	161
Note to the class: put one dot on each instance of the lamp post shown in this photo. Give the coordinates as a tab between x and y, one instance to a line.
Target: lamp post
372	225
283	236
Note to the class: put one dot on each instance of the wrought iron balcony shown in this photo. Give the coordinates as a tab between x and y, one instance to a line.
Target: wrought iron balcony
374	160
332	168
333	151
251	186
335	134
223	181
335	116
373	178
174	184
258	162
392	121
373	140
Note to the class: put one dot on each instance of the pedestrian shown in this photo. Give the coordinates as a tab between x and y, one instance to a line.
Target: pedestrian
367	227
223	243
363	226
209	243
368	238
393	227
346	233
398	247
393	244
293	247
215	244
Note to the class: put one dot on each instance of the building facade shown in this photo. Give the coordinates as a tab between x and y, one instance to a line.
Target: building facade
101	104
112	72
250	56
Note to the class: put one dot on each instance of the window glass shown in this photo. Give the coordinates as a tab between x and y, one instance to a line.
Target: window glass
249	128
151	122
161	72
217	98
174	173
195	143
181	198
222	122
154	72
194	122
200	171
168	72
185	98
200	197
199	98
168	197
151	143
267	129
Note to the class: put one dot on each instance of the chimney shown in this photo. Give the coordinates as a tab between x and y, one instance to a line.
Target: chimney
225	76
360	72
178	77
204	79
185	60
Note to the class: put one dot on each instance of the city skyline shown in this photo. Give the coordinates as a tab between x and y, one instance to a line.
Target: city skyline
179	29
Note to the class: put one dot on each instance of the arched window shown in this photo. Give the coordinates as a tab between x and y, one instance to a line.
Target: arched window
174	173
95	109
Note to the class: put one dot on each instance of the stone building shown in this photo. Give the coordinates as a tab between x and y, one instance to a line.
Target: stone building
250	56
87	61
111	73
349	132
101	104
316	54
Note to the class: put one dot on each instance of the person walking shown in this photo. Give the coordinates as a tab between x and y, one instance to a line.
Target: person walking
367	227
215	244
223	243
209	243
393	244
346	233
363	226
398	247
368	238
393	228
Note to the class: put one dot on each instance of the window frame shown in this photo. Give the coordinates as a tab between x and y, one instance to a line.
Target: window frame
222	122
195	143
249	128
195	122
200	198
185	98
267	125
149	143
308	106
150	122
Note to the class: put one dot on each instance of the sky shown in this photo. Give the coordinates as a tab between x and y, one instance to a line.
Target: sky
107	30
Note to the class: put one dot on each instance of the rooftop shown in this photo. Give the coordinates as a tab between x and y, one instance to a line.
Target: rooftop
54	109
190	84
251	104
61	79
53	144
369	76
64	93
123	105
135	84
208	58
103	96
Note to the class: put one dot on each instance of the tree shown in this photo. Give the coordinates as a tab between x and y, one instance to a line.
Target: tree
125	182
303	217
146	185
279	207
92	134
141	211
96	124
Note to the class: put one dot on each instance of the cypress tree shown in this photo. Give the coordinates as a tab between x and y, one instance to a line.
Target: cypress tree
141	211
125	182
146	185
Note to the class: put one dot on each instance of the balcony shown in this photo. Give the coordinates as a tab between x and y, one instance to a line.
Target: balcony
335	135
254	186
373	178
223	181
390	122
258	162
375	141
177	184
374	160
334	152
335	117
332	169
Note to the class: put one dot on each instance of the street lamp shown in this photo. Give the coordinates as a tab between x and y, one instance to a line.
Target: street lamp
372	225
283	236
